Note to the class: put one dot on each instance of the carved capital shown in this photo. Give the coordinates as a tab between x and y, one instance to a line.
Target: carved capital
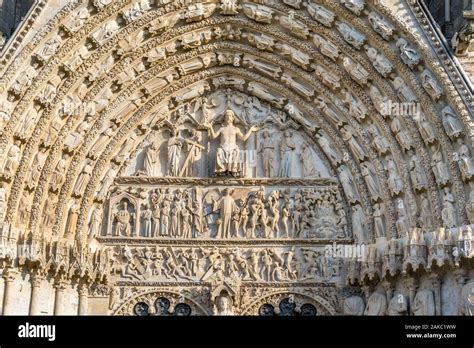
83	289
9	274
60	284
36	279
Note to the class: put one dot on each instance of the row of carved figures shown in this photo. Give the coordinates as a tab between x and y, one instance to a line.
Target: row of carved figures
309	213
419	302
408	54
229	157
414	251
276	216
215	264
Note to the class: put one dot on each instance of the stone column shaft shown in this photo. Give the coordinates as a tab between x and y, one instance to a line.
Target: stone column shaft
83	298
34	299
59	297
436	281
8	276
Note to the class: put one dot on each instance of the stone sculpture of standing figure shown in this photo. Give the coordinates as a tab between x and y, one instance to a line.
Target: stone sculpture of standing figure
174	153
227	206
146	220
308	162
267	149
150	160
287	148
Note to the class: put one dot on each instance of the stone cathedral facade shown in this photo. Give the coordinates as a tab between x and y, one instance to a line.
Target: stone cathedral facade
235	157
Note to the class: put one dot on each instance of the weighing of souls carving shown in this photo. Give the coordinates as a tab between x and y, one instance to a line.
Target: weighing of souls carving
216	158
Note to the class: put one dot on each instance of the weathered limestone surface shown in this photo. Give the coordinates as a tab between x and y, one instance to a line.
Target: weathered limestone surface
234	158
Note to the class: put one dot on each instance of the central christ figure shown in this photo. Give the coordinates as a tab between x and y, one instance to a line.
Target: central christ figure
228	153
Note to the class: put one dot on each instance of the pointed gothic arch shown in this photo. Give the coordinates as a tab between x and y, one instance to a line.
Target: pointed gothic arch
84	96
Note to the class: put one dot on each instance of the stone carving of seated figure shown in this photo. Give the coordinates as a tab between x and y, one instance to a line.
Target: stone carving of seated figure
123	218
228	153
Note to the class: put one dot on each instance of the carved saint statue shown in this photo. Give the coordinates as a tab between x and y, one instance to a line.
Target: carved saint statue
123	219
351	35
395	183
174	153
106	181
417	174
439	167
146	221
227	161
465	160
101	142
379	220
227	207
448	212
409	56
267	149
470	208
402	224
359	224
431	85
229	7
193	149
380	25
6	110
95	222
398	305
348	184
287	148
149	162
423	304
72	217
49	48
328	150
48	216
353	305
467	298
451	123
425	217
3	201
369	175
59	174
357	149
308	162
83	178
36	167
13	159
376	304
